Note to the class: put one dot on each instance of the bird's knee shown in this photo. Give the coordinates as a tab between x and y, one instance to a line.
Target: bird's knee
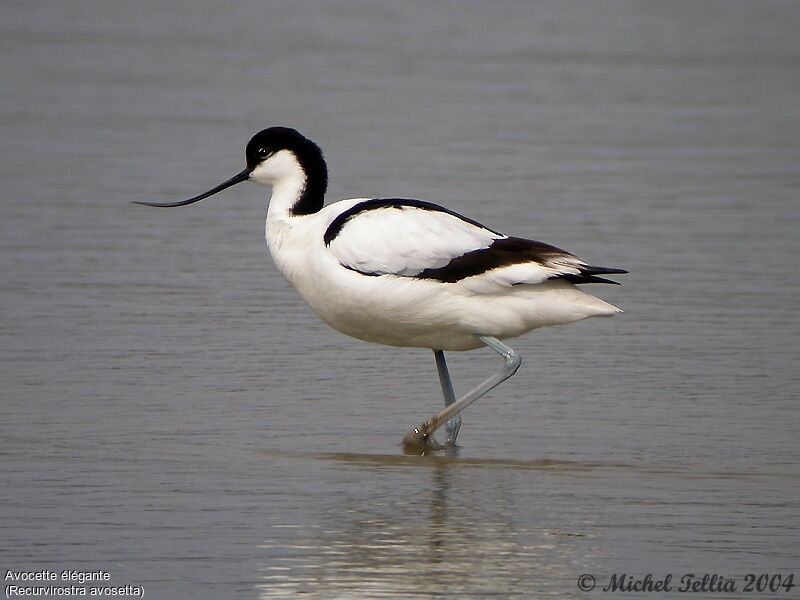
513	363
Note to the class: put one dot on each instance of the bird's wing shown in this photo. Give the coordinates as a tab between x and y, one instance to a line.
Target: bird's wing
402	237
411	238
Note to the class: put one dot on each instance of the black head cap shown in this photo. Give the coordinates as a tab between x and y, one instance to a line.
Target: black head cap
274	139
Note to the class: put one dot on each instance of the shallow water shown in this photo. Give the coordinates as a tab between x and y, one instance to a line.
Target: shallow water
174	415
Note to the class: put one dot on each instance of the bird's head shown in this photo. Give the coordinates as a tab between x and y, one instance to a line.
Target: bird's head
274	156
276	153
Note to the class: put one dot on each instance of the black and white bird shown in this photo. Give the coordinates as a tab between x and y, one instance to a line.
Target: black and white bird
410	273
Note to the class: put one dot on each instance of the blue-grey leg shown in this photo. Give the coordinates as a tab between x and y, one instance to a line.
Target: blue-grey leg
454	424
420	439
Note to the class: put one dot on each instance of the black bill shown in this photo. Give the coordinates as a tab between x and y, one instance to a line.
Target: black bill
238	178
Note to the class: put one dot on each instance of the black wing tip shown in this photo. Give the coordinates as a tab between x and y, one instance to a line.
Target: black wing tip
594	279
586	279
590	270
589	274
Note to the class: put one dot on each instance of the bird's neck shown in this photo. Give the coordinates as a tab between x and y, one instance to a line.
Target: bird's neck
297	194
288	193
300	190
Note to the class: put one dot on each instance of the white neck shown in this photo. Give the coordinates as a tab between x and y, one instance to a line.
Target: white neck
287	178
285	194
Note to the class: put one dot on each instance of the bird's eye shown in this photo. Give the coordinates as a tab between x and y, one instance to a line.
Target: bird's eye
263	153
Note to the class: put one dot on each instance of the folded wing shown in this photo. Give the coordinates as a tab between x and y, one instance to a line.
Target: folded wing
411	238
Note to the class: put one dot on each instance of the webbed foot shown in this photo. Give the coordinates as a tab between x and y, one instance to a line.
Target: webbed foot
420	440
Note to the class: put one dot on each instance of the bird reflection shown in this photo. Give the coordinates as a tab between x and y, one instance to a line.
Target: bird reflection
428	527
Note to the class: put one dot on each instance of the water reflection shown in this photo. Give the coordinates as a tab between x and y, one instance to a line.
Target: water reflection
428	527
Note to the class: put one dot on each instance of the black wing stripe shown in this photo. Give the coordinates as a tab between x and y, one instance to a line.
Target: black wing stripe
377	203
511	251
502	253
506	252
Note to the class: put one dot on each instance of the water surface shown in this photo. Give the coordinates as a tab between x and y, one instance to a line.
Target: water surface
174	414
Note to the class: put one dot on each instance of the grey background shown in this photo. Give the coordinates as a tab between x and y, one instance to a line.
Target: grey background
173	413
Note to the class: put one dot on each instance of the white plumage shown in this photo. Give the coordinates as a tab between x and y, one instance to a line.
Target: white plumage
389	306
406	240
406	272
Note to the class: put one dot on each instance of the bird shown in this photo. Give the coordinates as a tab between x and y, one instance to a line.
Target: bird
410	273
